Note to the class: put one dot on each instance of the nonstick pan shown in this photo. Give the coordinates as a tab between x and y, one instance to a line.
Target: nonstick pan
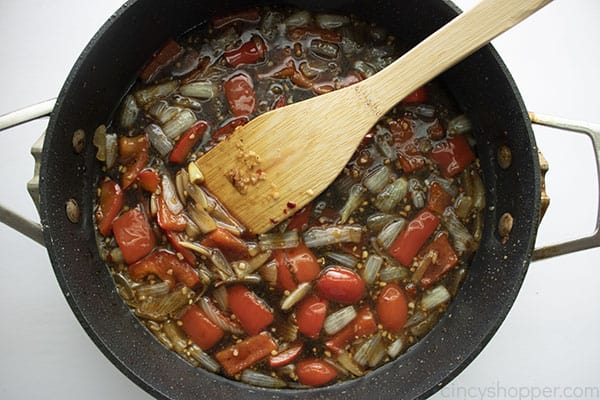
59	209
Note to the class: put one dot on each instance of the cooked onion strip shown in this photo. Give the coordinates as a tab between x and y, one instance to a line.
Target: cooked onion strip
318	237
201	218
395	348
393	274
390	232
377	179
215	315
345	259
345	360
436	296
129	112
336	321
355	198
371	352
204	359
417	193
159	308
371	269
175	335
203	90
252	377
272	241
462	240
377	221
295	296
459	125
161	143
179	124
391	195
155	290
152	93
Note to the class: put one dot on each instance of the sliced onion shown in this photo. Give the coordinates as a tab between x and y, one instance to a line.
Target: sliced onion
318	237
196	176
201	218
372	266
478	192
336	321
186	63
112	149
345	360
376	179
272	241
175	335
415	319
384	143
326	50
269	273
393	274
296	295
187	102
179	124
159	308
155	290
345	259
300	18
257	261
395	348
391	195
195	193
378	221
129	112
369	353
163	112
459	125
215	315
286	329
417	193
463	205
436	296
152	93
462	239
423	110
331	21
355	197
220	296
202	90
206	361
252	377
222	265
390	232
169	194
161	143
365	69
181	182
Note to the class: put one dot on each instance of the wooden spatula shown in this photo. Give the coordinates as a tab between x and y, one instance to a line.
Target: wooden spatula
292	154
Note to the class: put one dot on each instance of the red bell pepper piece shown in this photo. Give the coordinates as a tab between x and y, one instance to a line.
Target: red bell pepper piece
453	155
200	328
134	235
165	56
248	53
413	237
295	265
299	221
149	180
239	91
109	205
287	356
227	129
364	324
341	285
187	141
410	156
166	266
392	307
233	247
310	315
167	220
418	96
446	259
250	310
314	372
246	353
251	15
438	199
299	32
133	153
186	253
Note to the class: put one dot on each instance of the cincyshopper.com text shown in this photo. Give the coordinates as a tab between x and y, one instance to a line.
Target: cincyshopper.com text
499	391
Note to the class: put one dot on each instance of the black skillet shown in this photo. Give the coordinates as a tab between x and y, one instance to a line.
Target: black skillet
108	66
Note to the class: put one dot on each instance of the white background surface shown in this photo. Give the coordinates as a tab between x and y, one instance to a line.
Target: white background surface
551	336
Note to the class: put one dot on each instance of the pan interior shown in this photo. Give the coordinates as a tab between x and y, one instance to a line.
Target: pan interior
106	69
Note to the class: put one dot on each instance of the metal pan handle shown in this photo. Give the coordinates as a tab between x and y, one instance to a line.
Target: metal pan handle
593	132
29	228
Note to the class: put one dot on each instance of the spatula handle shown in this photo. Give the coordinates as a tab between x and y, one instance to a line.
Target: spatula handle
446	47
